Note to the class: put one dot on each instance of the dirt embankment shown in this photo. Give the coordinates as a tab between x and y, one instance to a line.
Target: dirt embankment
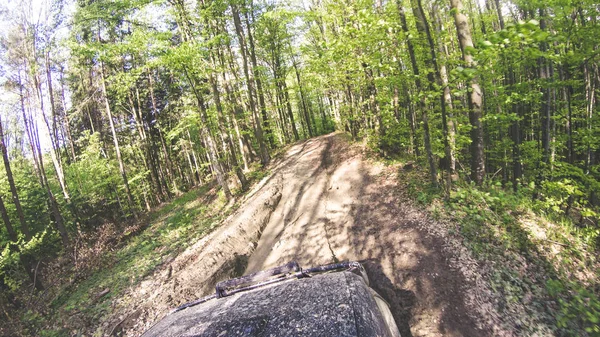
220	255
324	202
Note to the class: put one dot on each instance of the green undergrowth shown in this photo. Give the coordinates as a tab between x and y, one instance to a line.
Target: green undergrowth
540	262
86	292
167	232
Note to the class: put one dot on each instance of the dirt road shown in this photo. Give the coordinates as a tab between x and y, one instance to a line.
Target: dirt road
322	203
335	206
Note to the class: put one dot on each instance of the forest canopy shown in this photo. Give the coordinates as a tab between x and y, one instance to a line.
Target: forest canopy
112	108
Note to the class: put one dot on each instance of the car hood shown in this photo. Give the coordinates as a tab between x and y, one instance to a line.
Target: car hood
331	304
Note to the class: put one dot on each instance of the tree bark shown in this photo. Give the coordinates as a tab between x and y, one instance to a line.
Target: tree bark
303	101
12	234
288	107
499	11
211	149
475	98
13	187
54	149
155	132
423	28
65	119
424	117
36	152
264	153
450	127
234	157
116	142
256	75
545	71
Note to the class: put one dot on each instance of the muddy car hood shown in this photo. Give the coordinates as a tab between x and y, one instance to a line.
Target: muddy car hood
332	304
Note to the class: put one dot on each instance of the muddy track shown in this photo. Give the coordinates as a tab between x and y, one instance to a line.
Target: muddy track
323	203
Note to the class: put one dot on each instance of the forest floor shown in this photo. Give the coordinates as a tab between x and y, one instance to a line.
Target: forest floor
324	201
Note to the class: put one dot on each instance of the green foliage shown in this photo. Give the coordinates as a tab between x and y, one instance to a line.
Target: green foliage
32	196
493	207
491	223
95	181
169	231
258	175
577	305
12	271
396	139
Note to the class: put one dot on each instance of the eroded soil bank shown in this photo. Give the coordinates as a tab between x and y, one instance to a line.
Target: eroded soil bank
325	202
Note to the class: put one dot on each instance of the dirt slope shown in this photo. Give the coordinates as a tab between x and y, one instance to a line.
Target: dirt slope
323	203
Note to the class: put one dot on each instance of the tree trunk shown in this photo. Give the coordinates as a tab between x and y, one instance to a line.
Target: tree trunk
423	28
152	151
13	187
351	121
32	135
116	142
590	90
65	119
288	107
475	98
193	169
169	168
447	97
234	157
237	113
500	16
58	218
567	93
424	117
155	133
373	102
211	149
12	234
279	104
283	93
54	149
302	101
264	154
256	75
546	108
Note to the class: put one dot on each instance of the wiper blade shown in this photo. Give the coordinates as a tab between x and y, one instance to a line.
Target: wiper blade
267	277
